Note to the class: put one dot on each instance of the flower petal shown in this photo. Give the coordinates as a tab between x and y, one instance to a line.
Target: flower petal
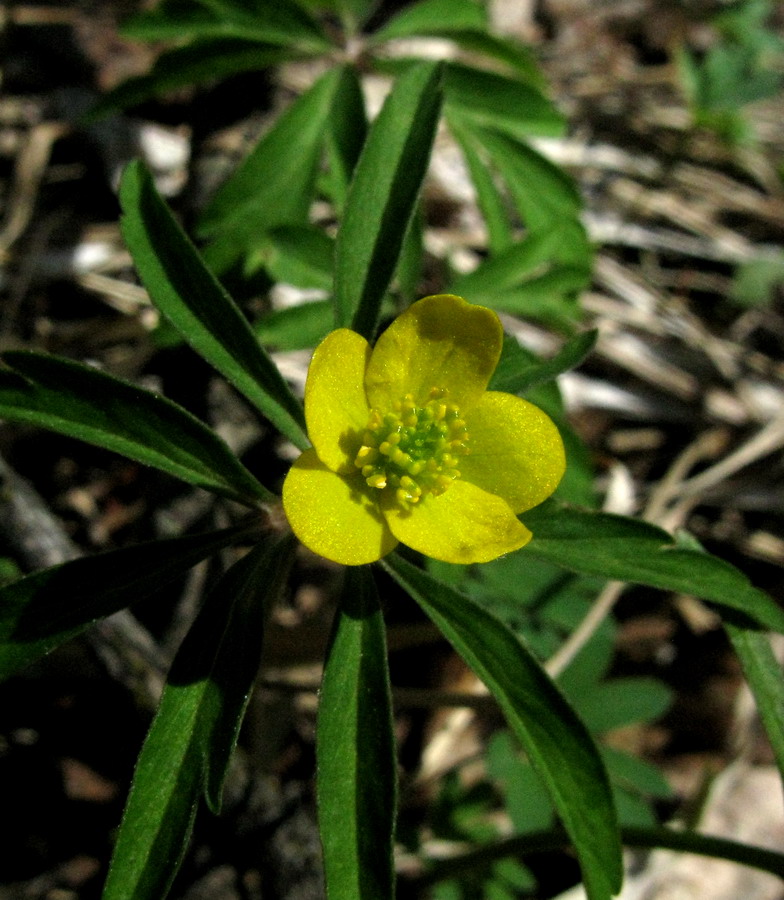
516	450
332	515
440	341
336	410
463	525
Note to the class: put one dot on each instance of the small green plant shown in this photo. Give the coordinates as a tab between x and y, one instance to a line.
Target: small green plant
537	258
744	65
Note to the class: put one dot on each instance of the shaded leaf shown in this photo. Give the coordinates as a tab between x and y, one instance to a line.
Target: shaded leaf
191	298
518	373
345	135
45	609
505	104
203	61
356	749
300	255
297	327
84	403
274	185
383	196
764	675
544	195
557	743
631	550
491	203
191	739
271	21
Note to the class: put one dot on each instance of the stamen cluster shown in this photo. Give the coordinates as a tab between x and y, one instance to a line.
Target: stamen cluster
413	449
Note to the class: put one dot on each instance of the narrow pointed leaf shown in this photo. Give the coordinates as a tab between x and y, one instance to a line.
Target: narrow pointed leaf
544	194
630	550
346	132
192	299
272	21
557	743
205	60
356	750
192	737
297	327
84	403
45	609
383	195
274	184
519	373
765	678
505	104
428	16
491	203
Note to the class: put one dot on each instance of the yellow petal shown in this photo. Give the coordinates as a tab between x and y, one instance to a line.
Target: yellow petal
440	341
336	410
516	450
463	525
332	515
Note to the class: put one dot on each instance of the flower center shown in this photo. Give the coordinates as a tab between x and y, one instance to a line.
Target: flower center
413	449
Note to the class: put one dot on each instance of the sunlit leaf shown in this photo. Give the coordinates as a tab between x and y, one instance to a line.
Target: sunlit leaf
383	196
356	749
192	299
557	743
428	16
84	403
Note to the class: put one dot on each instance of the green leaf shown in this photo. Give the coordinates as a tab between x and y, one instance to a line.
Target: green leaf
622	701
515	56
383	196
270	21
491	203
544	194
353	13
631	550
504	104
300	255
538	277
557	743
45	609
202	61
636	774
191	298
518	373
763	673
190	742
355	750
297	327
84	403
345	135
430	16
274	185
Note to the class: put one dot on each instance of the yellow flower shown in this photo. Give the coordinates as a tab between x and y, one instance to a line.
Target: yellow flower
408	445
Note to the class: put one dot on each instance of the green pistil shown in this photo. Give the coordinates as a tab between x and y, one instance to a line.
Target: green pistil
413	450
